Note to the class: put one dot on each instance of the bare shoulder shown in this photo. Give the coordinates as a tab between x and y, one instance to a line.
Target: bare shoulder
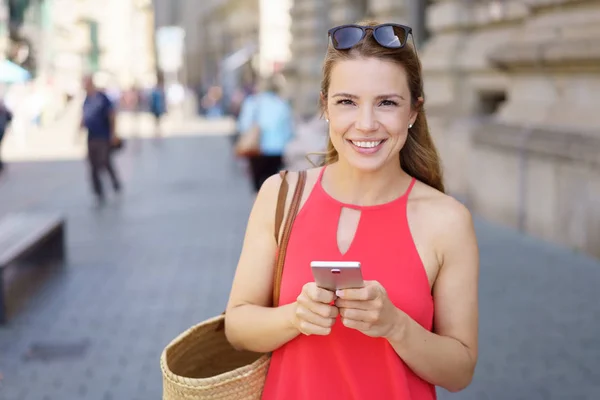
441	206
266	200
447	218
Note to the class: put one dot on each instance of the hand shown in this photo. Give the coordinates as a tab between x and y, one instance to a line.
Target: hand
370	311
313	314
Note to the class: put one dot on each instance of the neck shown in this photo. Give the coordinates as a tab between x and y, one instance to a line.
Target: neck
366	188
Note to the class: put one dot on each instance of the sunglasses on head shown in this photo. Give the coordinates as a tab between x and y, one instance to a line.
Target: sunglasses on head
391	36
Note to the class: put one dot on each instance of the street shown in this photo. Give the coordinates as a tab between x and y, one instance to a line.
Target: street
161	257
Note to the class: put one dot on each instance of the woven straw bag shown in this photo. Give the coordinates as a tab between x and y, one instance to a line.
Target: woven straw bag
200	363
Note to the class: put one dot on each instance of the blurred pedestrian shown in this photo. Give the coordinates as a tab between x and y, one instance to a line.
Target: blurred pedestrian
131	104
5	119
99	119
273	117
212	102
158	105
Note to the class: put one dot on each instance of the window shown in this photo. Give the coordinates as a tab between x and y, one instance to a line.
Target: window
489	102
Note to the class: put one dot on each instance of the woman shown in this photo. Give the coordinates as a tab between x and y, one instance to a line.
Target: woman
273	115
378	200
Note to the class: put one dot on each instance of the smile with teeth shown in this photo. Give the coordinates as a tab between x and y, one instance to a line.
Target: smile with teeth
366	144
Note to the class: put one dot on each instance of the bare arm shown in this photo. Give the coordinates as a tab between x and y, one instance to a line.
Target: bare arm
250	321
447	358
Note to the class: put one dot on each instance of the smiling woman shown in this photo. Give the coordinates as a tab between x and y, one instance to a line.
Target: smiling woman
378	201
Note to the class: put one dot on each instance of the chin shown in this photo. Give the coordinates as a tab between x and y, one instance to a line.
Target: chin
366	164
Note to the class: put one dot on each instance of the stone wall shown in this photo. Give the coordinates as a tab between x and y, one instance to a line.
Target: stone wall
227	27
512	95
310	21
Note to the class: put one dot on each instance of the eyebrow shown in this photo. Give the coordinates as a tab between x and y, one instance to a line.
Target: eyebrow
383	96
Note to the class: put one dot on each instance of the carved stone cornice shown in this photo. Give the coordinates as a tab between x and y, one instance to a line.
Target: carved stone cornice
443	111
572	146
580	54
533	4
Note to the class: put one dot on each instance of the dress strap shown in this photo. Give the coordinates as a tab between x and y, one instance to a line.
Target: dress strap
320	178
410	187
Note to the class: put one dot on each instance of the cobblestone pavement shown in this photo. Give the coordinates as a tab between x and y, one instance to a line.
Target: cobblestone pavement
161	257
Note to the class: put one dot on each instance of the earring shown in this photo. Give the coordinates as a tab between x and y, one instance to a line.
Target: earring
326	119
410	126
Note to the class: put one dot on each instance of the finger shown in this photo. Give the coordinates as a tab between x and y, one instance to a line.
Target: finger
361	294
358	325
305	315
368	292
311	329
319	295
324	310
370	316
356	304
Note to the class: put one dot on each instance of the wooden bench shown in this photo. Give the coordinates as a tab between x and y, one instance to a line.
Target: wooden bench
29	237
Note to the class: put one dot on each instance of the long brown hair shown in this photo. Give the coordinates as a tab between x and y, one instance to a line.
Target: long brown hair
418	157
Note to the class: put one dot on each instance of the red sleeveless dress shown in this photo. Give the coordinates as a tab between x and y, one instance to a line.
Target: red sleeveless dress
347	364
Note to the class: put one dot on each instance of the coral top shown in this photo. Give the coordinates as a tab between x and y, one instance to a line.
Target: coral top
347	364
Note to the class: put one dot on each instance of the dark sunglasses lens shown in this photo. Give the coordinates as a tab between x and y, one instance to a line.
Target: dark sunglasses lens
347	37
390	36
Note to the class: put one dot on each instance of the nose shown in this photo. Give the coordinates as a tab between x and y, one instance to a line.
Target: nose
366	121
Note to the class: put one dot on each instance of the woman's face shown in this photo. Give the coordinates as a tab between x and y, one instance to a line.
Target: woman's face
369	111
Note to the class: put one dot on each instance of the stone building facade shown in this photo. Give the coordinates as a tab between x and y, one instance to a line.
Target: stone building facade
62	40
512	88
229	27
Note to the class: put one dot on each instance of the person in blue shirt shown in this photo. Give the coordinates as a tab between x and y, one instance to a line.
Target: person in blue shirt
99	120
158	105
274	117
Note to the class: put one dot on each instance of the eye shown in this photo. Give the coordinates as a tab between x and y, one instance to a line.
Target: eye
388	103
346	102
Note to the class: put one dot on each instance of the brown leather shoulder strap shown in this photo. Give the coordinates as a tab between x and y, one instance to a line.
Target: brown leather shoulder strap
287	229
294	206
283	190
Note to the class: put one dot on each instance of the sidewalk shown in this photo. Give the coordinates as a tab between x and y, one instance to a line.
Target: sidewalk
140	271
162	257
64	140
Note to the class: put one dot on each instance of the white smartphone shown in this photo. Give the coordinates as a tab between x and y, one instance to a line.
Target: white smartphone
333	275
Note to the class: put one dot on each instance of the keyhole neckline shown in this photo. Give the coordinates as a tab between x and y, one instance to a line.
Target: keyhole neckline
393	202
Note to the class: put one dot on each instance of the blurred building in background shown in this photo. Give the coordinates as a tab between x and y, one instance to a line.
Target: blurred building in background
513	89
231	43
60	40
275	36
189	16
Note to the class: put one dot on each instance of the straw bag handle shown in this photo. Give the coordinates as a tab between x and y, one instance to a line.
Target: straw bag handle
287	228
